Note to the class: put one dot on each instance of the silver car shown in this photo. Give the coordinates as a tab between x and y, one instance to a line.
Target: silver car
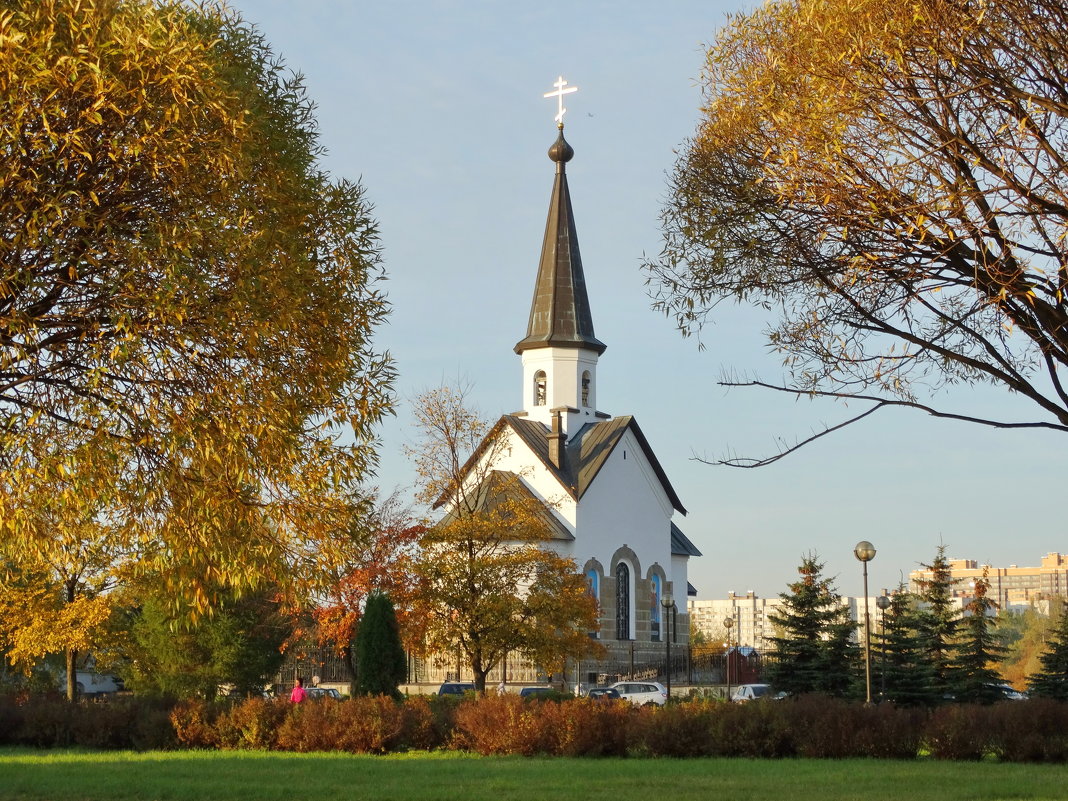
642	692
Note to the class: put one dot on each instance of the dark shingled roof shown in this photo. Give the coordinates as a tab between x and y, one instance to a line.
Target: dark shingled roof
587	452
560	312
680	543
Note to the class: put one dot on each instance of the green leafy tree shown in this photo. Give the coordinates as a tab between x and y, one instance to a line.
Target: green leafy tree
239	644
813	649
1051	681
904	673
938	621
890	179
381	664
973	677
187	299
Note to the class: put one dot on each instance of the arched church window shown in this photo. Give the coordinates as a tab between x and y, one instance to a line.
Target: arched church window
593	587
622	602
654	606
539	388
586	388
593	583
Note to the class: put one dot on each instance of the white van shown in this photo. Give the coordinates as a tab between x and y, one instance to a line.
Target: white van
90	684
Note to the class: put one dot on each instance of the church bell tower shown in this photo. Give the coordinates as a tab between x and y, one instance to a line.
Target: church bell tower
560	350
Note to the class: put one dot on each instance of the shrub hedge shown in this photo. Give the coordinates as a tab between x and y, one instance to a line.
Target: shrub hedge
813	727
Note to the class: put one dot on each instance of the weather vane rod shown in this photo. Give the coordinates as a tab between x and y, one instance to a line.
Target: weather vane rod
559	95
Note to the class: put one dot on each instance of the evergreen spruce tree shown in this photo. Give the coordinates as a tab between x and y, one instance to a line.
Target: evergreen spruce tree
381	665
814	651
904	673
971	677
1051	681
938	622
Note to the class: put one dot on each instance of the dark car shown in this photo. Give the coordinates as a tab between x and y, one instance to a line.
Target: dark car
603	693
455	688
528	692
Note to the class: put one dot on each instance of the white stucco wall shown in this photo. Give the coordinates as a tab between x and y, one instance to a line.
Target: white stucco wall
626	505
563	368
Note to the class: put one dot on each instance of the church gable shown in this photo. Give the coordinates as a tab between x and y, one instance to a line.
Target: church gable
595	443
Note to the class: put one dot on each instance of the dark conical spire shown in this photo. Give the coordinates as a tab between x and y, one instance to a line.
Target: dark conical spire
560	313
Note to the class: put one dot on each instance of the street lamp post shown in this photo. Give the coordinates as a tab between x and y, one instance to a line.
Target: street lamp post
883	602
727	623
865	552
668	603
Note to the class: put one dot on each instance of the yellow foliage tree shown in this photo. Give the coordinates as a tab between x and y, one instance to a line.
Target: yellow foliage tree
892	177
186	299
491	583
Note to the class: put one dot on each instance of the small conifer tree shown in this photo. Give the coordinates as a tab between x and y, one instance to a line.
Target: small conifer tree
814	650
903	670
1051	681
381	665
938	621
971	677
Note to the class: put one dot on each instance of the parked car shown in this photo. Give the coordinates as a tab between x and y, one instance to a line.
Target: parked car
641	692
455	688
1009	693
323	692
751	692
528	692
603	693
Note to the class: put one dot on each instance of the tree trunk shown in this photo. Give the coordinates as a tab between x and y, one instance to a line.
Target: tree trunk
72	674
72	655
347	653
479	672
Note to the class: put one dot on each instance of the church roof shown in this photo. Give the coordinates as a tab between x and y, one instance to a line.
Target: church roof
560	312
680	543
502	485
588	451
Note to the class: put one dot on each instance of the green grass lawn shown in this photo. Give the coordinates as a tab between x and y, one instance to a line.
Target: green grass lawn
207	776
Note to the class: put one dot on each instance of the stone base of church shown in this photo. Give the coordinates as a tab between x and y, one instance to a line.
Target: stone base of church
623	660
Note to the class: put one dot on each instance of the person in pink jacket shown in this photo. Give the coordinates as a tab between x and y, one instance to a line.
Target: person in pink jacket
298	693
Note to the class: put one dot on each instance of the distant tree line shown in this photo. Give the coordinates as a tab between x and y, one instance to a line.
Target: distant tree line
926	651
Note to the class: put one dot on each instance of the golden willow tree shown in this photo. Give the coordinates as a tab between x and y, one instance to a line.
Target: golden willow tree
891	177
186	304
490	582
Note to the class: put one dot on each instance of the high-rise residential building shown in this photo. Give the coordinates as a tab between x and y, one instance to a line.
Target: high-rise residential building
750	615
1009	586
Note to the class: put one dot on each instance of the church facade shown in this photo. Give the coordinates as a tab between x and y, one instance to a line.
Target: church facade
609	499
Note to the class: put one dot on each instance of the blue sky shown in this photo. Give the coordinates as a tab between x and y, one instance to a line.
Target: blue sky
437	108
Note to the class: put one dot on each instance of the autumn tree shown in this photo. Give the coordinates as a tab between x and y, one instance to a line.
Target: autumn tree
184	292
381	558
55	590
1051	680
813	648
381	664
492	584
891	178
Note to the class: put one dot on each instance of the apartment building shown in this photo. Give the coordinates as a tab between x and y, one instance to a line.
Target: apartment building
1009	586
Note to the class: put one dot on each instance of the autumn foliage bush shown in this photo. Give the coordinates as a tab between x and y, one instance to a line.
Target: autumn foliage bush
807	726
51	721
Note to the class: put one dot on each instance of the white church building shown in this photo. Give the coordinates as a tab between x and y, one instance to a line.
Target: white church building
609	500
